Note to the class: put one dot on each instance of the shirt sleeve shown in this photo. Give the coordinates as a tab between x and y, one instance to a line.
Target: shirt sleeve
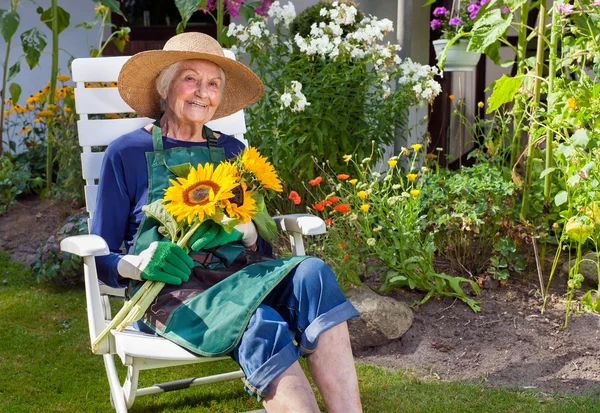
111	215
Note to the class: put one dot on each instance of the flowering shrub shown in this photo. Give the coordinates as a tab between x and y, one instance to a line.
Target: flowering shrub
460	19
27	124
374	222
327	92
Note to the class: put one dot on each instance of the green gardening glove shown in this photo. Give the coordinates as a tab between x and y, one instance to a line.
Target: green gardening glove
168	263
211	236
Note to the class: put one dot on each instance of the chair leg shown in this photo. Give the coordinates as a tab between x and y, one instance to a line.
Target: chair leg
116	391
131	384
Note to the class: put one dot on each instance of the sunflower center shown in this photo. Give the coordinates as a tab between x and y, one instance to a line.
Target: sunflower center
201	193
238	196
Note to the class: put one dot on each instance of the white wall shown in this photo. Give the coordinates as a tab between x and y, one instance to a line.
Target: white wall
72	42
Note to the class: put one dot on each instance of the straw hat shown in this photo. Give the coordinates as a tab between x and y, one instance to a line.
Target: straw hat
137	79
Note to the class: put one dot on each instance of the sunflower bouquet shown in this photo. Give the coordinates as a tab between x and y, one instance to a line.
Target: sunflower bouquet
229	194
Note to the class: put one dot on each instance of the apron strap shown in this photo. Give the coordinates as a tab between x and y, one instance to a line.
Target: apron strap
213	144
157	142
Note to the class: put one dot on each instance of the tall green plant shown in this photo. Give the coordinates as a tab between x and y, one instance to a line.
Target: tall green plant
9	22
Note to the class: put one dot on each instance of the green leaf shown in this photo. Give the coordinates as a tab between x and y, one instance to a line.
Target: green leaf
181	171
265	224
15	92
246	12
9	22
504	91
560	198
186	9
580	138
33	43
64	18
429	3
493	52
547	171
14	70
113	5
488	29
158	211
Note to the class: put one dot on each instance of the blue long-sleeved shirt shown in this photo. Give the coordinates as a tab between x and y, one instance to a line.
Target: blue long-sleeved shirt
123	191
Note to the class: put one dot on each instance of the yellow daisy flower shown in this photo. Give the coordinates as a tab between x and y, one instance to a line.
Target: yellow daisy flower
38	120
262	170
242	206
347	158
412	177
392	162
365	207
25	129
63	78
353	181
197	195
415	192
45	113
362	194
416	147
571	104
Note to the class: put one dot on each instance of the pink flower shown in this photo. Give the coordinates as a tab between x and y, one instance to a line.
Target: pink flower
210	5
565	9
232	7
596	3
263	9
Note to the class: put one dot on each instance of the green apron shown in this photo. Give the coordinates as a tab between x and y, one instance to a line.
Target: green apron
209	322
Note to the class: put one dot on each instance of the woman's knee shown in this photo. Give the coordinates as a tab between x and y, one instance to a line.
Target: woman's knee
315	275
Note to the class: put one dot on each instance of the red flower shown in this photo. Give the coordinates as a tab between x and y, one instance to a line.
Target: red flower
295	197
343	177
315	181
329	221
345	257
319	206
332	199
342	207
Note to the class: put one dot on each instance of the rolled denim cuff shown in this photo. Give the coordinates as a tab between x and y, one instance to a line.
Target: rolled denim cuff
257	384
333	317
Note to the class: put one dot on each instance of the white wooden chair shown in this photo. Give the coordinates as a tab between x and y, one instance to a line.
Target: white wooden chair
137	351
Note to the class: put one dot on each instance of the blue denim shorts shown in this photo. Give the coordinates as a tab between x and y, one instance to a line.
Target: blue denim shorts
288	324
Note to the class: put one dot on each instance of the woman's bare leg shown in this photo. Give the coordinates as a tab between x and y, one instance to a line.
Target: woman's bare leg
290	392
332	368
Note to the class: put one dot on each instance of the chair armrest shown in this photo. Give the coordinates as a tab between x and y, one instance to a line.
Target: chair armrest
305	224
85	245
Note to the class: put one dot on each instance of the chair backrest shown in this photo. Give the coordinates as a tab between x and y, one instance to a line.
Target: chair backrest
87	73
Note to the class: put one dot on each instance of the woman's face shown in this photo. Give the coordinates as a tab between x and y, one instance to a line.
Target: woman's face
195	91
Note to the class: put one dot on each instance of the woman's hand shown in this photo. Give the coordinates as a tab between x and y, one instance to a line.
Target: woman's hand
161	261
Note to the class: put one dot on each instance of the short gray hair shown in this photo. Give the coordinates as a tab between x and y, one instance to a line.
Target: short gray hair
165	78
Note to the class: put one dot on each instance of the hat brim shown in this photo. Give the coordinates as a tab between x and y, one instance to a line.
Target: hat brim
137	81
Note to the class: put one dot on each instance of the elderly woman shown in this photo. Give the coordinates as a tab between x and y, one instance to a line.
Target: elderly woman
297	308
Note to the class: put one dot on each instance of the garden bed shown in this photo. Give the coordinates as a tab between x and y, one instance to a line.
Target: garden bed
509	343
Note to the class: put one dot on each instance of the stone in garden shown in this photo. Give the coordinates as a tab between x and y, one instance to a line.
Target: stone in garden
382	319
588	268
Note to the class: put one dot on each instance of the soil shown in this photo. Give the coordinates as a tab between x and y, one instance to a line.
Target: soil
508	343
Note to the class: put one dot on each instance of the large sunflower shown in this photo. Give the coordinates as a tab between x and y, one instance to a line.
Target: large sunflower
242	206
262	170
199	193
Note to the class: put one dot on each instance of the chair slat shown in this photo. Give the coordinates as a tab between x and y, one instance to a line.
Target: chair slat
232	125
90	197
91	162
100	100
101	132
93	69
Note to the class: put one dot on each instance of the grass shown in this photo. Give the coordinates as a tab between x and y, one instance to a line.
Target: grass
46	366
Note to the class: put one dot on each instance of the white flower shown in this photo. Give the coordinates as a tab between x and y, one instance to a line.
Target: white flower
375	174
286	13
366	160
371	242
296	86
377	228
352	217
396	186
286	99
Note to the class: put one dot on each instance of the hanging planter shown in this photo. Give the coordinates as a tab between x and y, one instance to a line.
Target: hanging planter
458	59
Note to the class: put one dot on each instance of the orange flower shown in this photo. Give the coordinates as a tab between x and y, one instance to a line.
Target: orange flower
342	208
295	197
343	177
342	245
332	199
329	221
345	257
315	181
319	206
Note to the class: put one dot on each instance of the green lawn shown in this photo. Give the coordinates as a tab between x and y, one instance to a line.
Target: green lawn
46	366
